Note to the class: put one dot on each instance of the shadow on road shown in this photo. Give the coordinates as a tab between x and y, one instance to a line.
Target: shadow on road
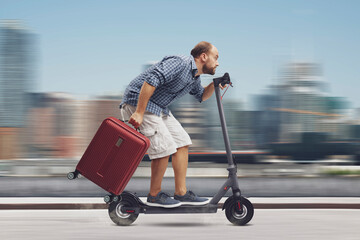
174	224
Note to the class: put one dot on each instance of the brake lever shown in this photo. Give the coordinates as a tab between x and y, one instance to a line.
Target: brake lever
224	83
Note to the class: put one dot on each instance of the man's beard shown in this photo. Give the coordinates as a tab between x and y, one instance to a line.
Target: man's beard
208	70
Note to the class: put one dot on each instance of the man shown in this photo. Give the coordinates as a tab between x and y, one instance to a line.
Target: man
145	105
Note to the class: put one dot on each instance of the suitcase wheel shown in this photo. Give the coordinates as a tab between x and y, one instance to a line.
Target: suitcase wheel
72	175
111	198
108	198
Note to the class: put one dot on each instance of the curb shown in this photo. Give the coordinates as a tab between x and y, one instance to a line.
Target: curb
52	206
92	206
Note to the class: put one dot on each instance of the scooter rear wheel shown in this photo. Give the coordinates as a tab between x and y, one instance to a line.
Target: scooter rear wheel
237	217
118	216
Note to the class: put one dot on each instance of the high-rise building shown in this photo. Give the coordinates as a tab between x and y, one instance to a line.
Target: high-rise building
17	61
300	103
303	99
16	72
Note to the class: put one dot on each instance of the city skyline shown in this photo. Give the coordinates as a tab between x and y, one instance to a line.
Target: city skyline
93	47
60	125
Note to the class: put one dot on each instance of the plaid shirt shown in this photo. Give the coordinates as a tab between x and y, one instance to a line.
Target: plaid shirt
173	77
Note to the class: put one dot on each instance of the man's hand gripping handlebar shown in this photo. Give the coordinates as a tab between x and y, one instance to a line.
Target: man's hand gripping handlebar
222	81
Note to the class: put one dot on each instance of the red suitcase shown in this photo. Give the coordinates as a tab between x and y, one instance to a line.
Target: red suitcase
113	155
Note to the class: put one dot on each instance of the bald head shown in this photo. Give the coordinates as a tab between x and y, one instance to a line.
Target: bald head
206	57
200	48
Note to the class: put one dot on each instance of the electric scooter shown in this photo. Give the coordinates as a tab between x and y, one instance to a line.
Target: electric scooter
125	208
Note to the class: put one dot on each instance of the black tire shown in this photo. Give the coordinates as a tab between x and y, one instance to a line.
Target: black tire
236	218
120	218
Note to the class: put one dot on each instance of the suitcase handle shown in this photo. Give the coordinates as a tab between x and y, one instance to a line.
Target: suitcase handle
127	121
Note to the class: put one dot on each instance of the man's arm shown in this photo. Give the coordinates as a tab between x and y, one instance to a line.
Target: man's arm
145	93
209	90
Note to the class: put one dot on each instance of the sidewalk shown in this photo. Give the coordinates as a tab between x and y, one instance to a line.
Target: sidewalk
30	203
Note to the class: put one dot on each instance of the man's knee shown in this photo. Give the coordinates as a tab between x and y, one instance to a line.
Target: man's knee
161	159
182	152
183	148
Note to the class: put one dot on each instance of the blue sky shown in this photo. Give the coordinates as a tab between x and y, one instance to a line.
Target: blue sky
93	47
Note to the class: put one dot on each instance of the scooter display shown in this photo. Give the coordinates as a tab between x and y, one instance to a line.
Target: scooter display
125	208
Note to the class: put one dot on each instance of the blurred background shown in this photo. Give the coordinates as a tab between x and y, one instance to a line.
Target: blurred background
295	67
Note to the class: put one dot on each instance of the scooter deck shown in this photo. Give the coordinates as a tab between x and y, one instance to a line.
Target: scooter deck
208	208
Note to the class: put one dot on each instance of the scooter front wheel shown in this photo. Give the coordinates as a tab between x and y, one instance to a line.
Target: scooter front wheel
239	213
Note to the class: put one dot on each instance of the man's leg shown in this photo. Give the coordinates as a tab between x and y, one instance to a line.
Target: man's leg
180	164
161	145
158	168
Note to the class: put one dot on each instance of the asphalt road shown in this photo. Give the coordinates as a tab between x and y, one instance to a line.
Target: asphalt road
95	224
250	186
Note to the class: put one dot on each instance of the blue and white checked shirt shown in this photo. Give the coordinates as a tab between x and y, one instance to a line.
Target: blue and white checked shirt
173	77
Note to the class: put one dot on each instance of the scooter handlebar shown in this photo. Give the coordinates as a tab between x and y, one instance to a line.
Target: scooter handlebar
222	80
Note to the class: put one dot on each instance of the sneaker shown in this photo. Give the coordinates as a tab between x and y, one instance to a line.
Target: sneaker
190	198
162	199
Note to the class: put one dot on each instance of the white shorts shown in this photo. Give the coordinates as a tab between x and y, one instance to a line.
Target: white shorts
165	133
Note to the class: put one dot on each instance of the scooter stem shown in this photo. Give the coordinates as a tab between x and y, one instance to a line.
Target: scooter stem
225	79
